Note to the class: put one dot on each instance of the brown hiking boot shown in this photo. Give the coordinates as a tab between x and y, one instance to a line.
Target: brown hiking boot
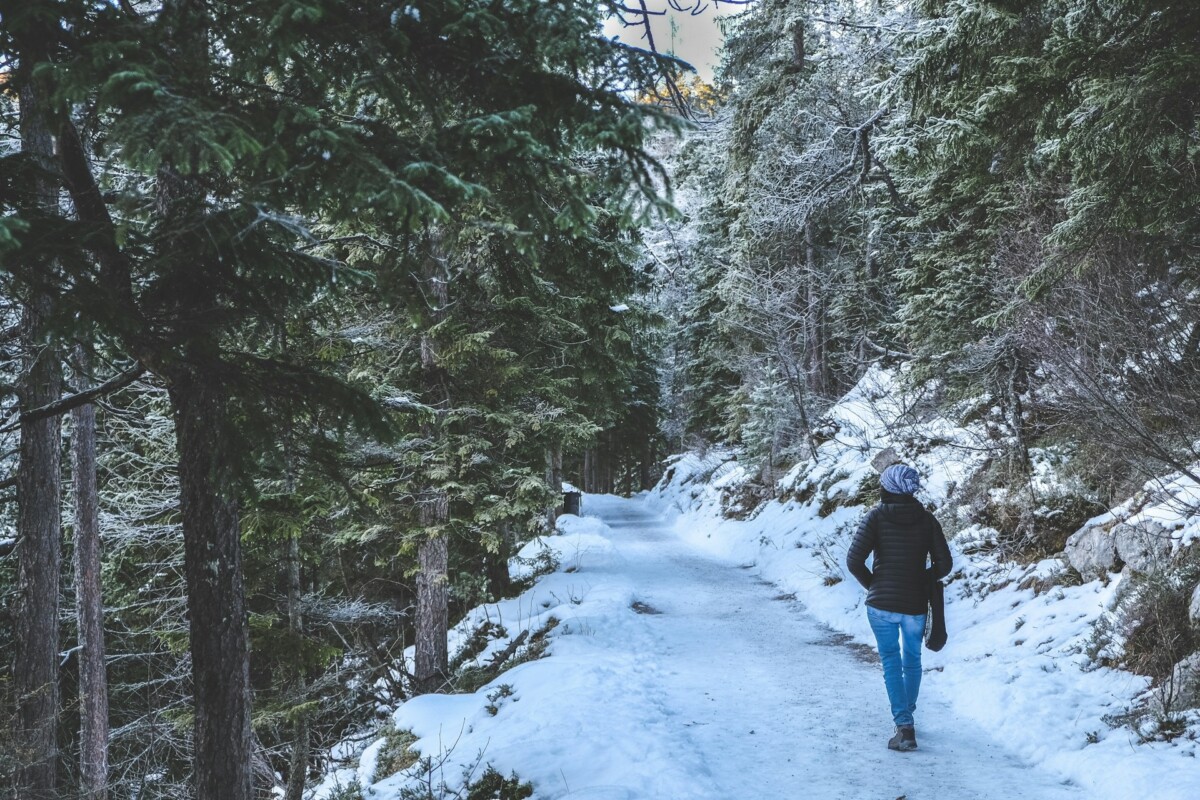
904	740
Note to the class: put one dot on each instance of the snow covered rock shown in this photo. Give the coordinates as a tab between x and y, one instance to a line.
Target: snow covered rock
884	459
1092	551
1185	683
1194	606
1143	546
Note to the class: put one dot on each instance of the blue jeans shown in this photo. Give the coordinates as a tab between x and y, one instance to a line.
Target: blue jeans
899	637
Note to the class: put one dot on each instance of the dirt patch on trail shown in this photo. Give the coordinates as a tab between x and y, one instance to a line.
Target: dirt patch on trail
642	608
861	652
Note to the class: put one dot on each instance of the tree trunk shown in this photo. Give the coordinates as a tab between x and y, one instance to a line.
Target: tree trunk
219	639
89	605
216	591
798	53
645	468
39	529
298	769
814	339
603	461
554	479
1013	389
598	466
39	520
610	462
499	581
432	662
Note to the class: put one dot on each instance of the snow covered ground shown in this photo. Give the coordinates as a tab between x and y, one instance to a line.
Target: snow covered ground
1018	662
676	674
1015	667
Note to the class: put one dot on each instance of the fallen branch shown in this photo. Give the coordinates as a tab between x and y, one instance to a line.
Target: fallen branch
507	653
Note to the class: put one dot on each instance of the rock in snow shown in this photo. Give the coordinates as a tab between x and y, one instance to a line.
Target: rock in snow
1143	546
1092	551
1194	608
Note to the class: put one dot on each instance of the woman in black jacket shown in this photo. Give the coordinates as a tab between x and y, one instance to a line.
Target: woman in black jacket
901	533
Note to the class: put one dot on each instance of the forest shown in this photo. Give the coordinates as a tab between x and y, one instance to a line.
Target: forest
308	308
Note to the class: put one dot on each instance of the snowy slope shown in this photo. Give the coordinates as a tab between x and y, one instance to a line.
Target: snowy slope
1015	664
1017	661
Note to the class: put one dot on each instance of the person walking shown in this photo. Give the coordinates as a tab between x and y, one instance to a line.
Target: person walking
901	533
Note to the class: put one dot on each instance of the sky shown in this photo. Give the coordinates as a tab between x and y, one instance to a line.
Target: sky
693	37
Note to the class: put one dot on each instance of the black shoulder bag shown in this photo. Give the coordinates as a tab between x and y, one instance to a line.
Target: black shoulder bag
935	625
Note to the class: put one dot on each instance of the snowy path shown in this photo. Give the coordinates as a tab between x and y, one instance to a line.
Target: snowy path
675	675
764	703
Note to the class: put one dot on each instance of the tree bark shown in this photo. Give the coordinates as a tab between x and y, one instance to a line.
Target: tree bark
601	475
432	662
298	767
611	465
89	605
216	591
39	490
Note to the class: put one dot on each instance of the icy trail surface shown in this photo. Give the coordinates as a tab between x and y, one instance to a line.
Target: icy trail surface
762	702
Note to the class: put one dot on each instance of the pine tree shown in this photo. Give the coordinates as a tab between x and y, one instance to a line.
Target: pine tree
787	270
980	96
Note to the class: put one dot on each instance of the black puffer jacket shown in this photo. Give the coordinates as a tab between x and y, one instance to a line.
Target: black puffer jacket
901	533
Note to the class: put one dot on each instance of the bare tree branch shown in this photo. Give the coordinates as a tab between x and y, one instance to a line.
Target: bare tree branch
111	385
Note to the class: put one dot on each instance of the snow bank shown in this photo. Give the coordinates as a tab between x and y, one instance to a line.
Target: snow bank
1016	661
539	714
